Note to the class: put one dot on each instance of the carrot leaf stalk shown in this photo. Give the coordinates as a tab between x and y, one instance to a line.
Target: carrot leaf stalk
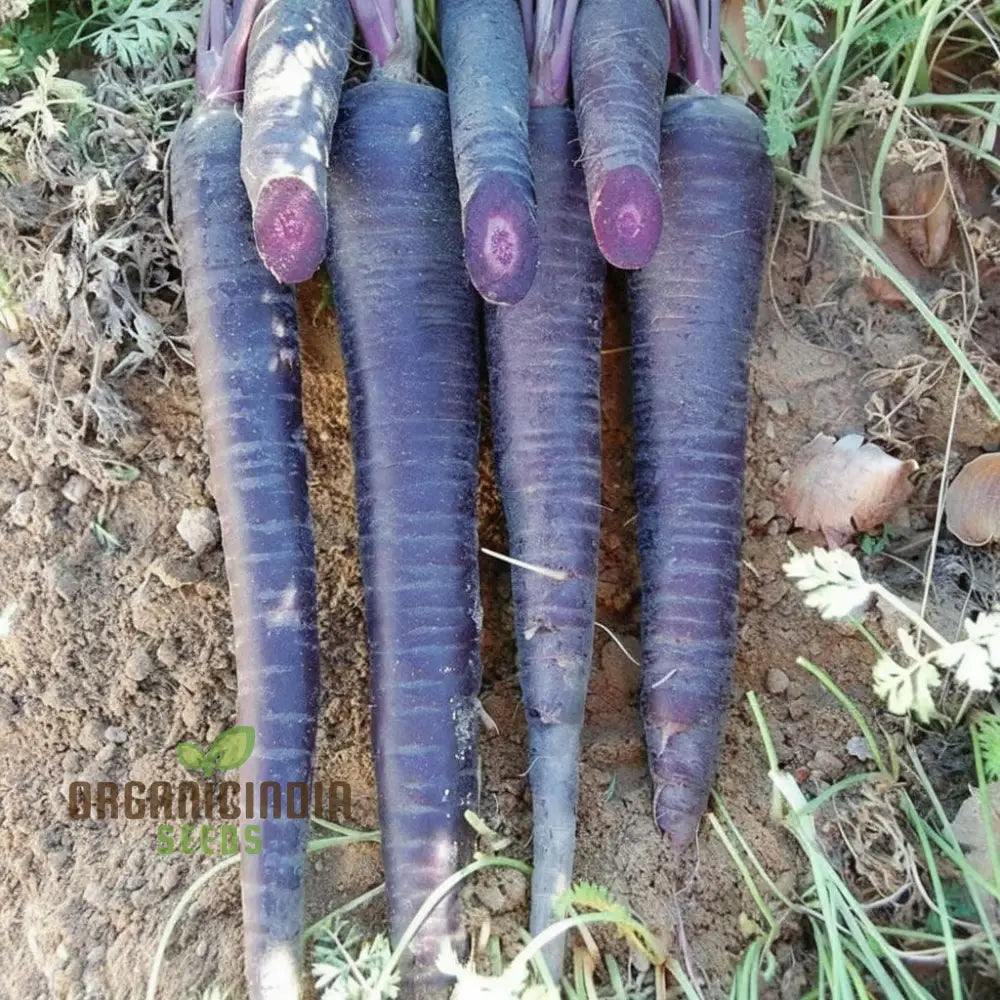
487	71
693	311
544	370
389	30
548	32
620	59
242	327
697	41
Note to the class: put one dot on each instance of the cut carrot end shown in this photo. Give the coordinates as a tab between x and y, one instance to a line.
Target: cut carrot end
501	240
289	226
628	217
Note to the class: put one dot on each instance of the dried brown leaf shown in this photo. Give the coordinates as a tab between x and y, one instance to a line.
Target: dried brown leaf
842	487
923	210
969	829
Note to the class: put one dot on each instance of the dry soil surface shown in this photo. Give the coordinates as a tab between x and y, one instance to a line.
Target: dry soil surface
115	647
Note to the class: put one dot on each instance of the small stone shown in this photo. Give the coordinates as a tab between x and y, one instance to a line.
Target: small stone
174	573
773	592
171	877
167	653
765	511
199	527
91	735
76	489
491	897
779	407
139	665
857	746
777	681
115	734
66	585
827	763
46	501
94	894
21	509
191	717
798	709
59	696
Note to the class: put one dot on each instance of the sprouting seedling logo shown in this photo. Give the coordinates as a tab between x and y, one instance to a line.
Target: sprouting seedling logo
229	750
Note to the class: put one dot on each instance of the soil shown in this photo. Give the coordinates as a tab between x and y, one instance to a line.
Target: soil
116	645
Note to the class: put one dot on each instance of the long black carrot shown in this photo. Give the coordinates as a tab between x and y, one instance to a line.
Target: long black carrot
693	312
544	367
242	326
408	332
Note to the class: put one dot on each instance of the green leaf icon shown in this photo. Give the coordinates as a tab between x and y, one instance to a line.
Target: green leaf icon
231	748
190	756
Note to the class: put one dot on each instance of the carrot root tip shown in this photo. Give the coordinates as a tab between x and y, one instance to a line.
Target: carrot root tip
289	226
501	240
679	823
628	217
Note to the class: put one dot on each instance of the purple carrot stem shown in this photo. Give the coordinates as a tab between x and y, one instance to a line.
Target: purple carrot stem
551	36
221	56
697	37
377	21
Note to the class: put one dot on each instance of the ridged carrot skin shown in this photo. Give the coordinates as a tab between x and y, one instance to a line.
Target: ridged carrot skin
408	324
693	311
544	362
620	57
242	325
484	56
296	64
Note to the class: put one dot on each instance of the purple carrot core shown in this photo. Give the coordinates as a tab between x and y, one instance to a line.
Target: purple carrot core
696	42
628	217
289	227
221	53
501	240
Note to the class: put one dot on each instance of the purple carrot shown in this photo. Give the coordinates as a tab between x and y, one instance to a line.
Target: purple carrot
295	67
693	311
408	319
242	325
484	57
621	50
544	368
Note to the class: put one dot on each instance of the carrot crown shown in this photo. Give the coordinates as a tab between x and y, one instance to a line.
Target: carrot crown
696	42
389	28
221	54
548	30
